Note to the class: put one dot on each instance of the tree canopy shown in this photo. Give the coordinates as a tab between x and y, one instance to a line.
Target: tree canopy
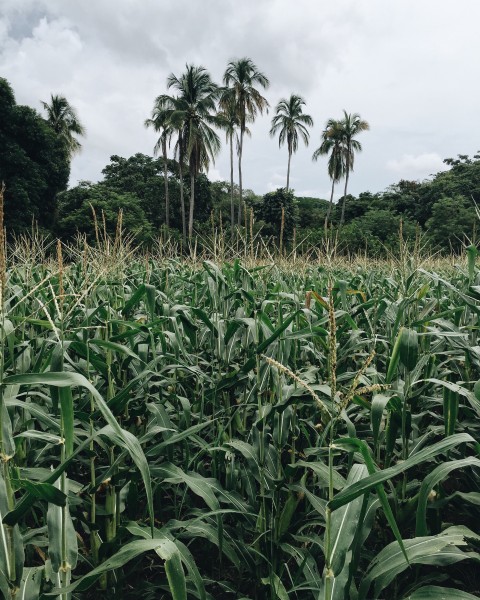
34	164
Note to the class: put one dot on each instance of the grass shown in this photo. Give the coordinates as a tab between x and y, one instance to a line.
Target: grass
223	428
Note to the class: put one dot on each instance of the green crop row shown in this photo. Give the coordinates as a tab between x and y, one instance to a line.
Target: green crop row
176	430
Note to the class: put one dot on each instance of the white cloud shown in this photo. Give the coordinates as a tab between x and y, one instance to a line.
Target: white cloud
416	167
215	175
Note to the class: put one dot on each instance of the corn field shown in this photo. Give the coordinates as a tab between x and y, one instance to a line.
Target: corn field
238	431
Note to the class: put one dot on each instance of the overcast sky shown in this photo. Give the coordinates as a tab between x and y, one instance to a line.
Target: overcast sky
409	67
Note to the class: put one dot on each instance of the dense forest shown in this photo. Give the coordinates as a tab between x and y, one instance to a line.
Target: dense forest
35	165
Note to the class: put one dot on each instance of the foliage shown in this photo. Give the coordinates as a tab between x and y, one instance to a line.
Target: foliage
311	211
350	126
33	164
200	430
63	119
279	212
194	114
242	79
143	177
376	232
453	221
291	123
77	205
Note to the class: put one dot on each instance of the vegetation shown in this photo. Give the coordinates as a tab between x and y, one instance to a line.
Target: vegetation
195	430
63	119
193	114
242	78
290	123
332	145
238	413
155	194
350	126
34	164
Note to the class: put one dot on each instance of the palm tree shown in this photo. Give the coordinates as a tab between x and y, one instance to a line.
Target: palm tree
194	115
180	153
63	119
160	121
292	123
351	125
332	140
242	75
229	122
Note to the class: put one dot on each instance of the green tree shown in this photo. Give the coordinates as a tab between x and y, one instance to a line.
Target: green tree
332	137
75	212
276	207
241	76
290	122
229	122
453	223
63	119
160	122
376	232
33	164
142	176
351	125
194	115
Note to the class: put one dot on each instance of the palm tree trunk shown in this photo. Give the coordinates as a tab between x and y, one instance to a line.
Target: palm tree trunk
342	218
330	206
192	202
288	170
182	202
232	205
240	199
165	176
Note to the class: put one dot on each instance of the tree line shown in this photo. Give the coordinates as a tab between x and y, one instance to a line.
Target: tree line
174	191
199	105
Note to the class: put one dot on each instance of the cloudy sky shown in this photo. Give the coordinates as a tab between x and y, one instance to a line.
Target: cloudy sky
410	68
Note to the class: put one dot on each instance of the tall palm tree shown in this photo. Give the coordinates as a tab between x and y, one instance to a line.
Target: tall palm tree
241	76
230	123
160	121
332	143
351	124
63	119
290	121
195	115
180	154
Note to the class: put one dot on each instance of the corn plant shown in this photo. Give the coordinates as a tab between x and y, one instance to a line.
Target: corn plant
198	429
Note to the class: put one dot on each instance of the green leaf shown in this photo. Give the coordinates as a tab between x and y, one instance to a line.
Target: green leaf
174	570
344	523
30	584
389	562
66	412
435	592
350	444
261	347
408	348
163	546
42	491
379	402
59	520
199	485
367	484
277	588
134	299
430	481
67	379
